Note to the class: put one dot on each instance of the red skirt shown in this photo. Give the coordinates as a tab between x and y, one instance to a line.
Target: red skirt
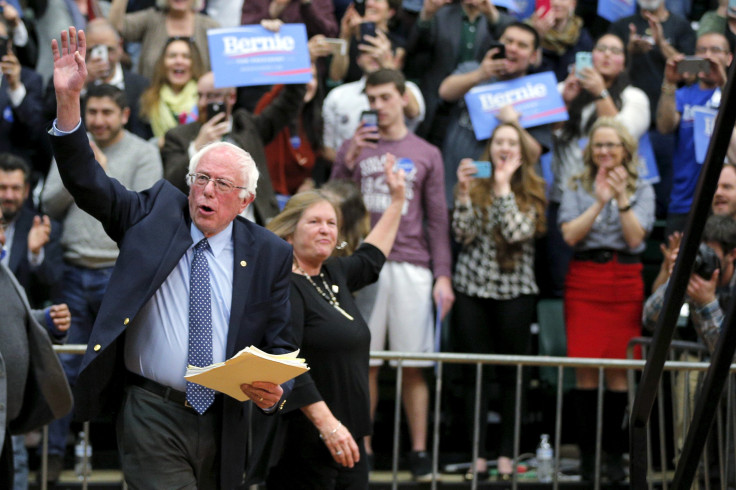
603	306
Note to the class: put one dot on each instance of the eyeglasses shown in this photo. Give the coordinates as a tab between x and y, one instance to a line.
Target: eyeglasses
223	186
613	49
712	49
606	146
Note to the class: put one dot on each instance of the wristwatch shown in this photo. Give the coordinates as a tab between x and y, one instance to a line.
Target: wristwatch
603	95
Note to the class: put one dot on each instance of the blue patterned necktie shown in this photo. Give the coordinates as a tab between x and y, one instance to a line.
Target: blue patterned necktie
200	326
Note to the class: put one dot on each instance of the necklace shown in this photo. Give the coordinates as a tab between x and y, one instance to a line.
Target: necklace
331	299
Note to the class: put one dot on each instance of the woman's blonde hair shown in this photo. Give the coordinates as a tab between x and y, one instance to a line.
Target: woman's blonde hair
149	99
630	160
529	192
284	224
164	5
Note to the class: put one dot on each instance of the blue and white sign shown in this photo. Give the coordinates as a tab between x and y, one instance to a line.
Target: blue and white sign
253	55
515	7
534	96
612	10
705	119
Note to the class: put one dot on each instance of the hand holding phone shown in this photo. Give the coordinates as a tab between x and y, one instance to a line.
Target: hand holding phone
482	169
370	119
501	53
583	60
693	65
215	108
367	29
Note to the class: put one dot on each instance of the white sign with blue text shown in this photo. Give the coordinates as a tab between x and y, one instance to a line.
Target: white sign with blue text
705	120
535	97
252	55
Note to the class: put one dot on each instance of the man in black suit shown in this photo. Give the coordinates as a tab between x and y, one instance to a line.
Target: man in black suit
144	335
34	252
100	70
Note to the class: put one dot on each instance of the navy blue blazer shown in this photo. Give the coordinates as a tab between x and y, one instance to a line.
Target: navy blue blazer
41	283
21	127
152	232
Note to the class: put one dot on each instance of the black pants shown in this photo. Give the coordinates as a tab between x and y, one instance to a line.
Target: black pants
488	326
306	463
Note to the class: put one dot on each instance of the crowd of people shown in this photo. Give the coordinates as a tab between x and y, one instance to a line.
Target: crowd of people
382	230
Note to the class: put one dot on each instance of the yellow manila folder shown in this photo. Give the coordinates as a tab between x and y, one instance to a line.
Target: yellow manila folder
249	365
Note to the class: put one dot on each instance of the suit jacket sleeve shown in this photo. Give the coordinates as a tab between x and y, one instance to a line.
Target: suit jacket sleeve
283	109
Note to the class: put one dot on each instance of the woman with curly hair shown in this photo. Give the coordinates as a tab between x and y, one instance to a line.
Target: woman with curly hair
171	99
605	214
496	219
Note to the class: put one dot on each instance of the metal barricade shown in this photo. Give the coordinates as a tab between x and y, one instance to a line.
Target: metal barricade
685	368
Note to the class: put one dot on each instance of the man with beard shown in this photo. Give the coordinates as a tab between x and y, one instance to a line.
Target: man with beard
31	240
89	254
724	200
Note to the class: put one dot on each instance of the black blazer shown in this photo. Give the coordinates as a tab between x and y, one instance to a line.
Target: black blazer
21	128
152	231
41	283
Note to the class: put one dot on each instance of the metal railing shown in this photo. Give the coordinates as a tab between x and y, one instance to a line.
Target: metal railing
686	368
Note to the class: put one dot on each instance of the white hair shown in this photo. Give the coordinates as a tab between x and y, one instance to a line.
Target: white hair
241	159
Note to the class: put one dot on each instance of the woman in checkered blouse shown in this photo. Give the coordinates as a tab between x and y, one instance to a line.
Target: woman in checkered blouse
496	220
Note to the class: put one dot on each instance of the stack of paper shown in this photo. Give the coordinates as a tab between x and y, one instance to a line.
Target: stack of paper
249	365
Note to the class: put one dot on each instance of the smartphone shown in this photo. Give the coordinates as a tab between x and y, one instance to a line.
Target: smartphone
215	108
3	46
99	51
482	170
337	45
359	7
367	29
731	8
583	60
501	54
370	118
694	65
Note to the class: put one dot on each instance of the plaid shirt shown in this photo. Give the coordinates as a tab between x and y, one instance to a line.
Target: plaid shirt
477	272
706	319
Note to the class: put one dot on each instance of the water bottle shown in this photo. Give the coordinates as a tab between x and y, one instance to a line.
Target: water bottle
82	467
544	460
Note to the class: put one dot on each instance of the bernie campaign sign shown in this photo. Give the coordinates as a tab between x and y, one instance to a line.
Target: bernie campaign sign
253	55
535	97
612	10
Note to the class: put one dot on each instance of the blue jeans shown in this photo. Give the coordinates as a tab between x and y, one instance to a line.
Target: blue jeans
83	292
20	463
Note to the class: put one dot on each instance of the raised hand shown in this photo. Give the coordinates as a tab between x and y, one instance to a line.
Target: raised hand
395	179
503	170
39	234
70	69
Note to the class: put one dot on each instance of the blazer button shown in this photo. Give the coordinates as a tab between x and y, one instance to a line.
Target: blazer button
243	263
97	347
126	321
